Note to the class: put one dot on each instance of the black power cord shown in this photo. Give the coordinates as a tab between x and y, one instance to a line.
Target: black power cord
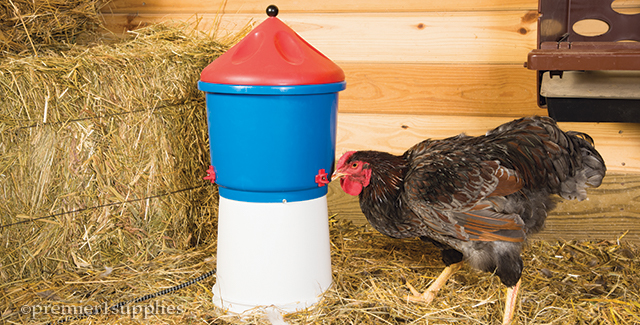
117	306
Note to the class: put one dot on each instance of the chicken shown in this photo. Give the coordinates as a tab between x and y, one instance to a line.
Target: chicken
475	198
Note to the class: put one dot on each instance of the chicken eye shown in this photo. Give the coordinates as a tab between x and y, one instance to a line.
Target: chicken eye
354	165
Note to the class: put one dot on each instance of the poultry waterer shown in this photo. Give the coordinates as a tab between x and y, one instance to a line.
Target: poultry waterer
272	103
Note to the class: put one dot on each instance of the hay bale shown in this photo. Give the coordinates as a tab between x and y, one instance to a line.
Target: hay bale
107	124
29	26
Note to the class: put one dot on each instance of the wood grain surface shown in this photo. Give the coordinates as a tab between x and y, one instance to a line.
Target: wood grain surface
611	211
618	143
258	6
490	37
330	6
480	90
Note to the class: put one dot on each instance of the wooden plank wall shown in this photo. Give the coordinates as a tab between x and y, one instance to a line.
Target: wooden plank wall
427	68
415	68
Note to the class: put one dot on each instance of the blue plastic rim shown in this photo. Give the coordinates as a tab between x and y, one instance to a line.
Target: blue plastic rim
272	90
269	142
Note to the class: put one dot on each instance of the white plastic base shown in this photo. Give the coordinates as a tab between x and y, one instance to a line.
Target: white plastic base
272	254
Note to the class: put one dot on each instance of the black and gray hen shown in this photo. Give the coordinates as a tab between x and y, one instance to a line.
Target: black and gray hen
476	198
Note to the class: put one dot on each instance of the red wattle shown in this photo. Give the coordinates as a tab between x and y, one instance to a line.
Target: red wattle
350	187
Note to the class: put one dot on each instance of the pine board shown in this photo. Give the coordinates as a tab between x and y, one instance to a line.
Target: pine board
257	6
480	90
489	37
618	143
611	210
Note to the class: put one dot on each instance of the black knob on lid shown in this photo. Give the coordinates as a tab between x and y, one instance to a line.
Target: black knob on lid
272	11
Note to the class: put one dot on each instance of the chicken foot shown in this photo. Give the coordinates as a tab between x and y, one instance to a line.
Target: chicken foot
510	304
429	294
432	290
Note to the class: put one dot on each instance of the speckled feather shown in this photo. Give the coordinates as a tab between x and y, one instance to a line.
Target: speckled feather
479	196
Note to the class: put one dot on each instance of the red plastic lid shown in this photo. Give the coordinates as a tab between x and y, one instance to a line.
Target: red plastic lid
272	55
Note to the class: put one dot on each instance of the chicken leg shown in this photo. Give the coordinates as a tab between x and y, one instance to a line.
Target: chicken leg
510	304
432	290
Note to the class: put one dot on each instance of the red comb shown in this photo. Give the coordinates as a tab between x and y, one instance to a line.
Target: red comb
344	159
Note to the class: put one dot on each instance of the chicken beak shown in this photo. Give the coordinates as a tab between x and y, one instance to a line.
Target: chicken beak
337	175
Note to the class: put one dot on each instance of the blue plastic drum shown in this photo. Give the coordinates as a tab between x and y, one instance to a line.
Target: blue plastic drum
268	143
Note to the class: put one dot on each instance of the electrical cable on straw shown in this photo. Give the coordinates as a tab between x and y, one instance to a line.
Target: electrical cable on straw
139	299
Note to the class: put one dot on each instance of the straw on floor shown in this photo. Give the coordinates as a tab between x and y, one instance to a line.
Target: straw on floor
563	283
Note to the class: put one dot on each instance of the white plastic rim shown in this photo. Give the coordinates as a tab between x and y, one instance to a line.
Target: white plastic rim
272	254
